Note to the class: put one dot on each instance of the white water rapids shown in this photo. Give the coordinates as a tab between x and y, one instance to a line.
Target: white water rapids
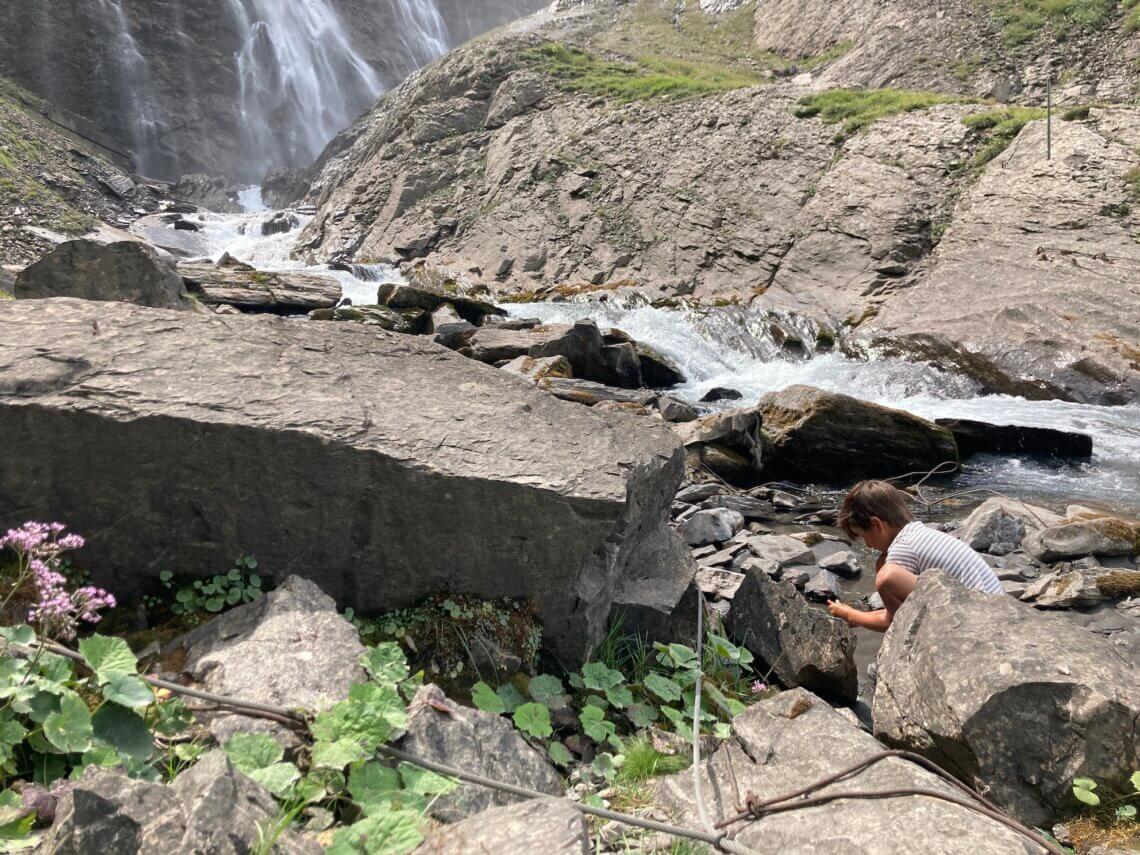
730	347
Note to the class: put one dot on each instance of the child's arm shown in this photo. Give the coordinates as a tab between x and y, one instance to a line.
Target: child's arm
877	621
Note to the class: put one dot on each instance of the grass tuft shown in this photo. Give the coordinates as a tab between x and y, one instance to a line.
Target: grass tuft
1003	126
858	108
642	79
643	761
1024	20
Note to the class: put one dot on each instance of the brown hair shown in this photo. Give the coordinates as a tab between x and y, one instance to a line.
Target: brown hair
873	499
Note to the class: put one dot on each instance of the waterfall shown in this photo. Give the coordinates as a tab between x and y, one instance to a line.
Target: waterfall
423	32
300	82
136	91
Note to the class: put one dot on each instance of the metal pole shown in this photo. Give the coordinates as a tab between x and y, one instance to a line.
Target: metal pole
1049	117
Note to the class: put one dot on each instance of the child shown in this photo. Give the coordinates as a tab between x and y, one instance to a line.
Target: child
877	512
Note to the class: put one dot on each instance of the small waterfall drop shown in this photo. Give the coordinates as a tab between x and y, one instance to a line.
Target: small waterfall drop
136	91
300	81
422	29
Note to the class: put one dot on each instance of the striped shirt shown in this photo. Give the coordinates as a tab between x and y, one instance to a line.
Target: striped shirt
918	548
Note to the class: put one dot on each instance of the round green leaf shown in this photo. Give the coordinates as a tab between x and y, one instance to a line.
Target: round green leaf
338	754
486	699
277	777
547	690
254	579
599	677
387	833
620	696
1126	812
372	785
215	604
533	719
385	663
108	656
1135	779
663	687
1087	796
128	690
252	751
165	576
424	782
559	753
641	715
1084	783
123	730
233	596
69	730
21	634
234	575
511	697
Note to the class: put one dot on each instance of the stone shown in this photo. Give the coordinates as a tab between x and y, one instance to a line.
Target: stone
803	645
784	549
674	410
785	742
1014	701
657	370
975	437
747	506
404	296
699	492
725	463
1101	537
719	582
273	440
475	741
449	328
1065	590
408	322
539	368
290	648
211	807
589	393
549	826
843	563
734	430
280	223
127	271
822	585
999	520
212	193
719	393
875	602
253	290
832	438
712	526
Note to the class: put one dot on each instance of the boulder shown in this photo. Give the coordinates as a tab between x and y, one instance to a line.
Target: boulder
842	563
657	370
280	223
408	321
126	271
449	328
289	648
403	296
1102	537
538	369
210	192
335	452
832	438
803	645
1065	589
725	463
998	520
211	807
748	507
712	526
675	410
719	393
781	744
783	549
975	437
252	290
1014	701
734	430
476	741
549	826
822	585
589	393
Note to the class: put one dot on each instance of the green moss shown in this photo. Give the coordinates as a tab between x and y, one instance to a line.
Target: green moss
1132	182
1001	127
1073	114
858	108
829	55
1024	20
645	78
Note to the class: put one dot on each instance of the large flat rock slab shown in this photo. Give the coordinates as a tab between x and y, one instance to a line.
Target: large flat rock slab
789	741
382	467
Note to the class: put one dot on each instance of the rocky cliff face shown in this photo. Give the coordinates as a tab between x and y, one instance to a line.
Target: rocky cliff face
207	86
536	161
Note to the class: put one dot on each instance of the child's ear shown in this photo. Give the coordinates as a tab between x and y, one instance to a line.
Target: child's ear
875	523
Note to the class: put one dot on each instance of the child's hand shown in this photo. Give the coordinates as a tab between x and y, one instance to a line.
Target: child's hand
840	610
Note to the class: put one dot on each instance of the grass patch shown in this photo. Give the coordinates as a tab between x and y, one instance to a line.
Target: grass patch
1132	182
643	761
1024	20
1075	114
642	79
829	55
1132	16
1002	125
858	108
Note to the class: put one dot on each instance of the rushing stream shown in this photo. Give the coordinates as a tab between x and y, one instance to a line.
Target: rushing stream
732	347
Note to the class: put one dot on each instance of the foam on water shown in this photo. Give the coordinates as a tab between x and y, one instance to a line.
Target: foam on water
716	347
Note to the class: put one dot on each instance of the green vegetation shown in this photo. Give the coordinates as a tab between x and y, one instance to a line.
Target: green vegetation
1132	18
827	56
1002	125
645	78
1106	819
205	597
858	108
1074	114
1024	20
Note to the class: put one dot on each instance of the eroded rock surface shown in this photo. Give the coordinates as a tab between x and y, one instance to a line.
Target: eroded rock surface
128	271
332	451
550	826
1012	700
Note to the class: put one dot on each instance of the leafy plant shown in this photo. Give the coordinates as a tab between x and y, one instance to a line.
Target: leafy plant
223	590
1084	790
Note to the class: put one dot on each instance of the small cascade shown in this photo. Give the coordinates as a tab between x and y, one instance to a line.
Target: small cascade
135	87
422	29
300	81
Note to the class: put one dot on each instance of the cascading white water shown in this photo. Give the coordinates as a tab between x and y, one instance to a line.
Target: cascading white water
136	88
727	347
300	80
422	30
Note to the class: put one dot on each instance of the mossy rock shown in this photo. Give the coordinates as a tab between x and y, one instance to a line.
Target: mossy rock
1119	584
